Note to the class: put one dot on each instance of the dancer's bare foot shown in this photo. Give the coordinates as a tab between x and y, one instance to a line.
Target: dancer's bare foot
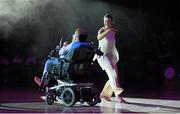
105	98
120	100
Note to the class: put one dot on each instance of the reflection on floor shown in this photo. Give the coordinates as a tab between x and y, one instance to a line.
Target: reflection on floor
36	104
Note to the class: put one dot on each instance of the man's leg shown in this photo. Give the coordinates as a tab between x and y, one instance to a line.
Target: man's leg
46	66
45	78
43	82
39	81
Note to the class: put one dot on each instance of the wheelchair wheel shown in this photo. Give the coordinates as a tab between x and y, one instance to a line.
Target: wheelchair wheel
68	97
94	100
50	98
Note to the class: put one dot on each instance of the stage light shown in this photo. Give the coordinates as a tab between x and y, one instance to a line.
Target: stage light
169	72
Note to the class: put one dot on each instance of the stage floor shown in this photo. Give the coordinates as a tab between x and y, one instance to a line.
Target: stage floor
32	101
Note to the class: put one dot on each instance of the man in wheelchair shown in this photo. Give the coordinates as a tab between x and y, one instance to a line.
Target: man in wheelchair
71	73
78	39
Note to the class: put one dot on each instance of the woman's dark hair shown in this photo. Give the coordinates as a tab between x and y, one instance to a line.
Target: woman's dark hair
109	16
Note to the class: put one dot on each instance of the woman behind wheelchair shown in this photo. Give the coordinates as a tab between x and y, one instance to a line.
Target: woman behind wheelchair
50	75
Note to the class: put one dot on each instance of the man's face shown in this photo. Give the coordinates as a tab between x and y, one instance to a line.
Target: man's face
107	22
65	43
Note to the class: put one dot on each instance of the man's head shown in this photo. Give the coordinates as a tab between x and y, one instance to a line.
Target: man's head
108	21
79	35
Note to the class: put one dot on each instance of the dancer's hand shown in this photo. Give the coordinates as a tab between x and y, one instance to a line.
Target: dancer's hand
114	30
111	29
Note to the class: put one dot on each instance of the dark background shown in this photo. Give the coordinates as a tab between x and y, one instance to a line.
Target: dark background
148	38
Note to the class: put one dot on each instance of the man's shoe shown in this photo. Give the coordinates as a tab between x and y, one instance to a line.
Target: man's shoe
37	80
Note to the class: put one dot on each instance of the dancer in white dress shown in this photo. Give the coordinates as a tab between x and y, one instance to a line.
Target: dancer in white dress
107	44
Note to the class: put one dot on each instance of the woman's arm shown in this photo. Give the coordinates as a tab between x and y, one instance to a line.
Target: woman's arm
103	32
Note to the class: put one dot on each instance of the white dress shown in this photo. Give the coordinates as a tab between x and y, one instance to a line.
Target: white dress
108	47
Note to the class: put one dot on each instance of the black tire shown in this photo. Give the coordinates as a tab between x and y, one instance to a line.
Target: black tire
94	100
68	97
50	98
